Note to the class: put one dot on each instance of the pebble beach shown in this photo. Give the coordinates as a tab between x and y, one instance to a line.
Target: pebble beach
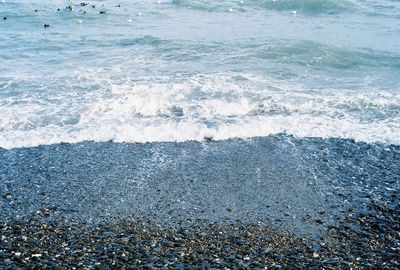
78	221
188	134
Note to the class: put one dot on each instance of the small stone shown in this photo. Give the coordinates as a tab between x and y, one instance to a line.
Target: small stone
319	221
241	242
333	261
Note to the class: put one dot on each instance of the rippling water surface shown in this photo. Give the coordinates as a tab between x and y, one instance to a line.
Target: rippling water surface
177	70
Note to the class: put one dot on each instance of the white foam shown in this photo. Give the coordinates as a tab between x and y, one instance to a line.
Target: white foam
219	106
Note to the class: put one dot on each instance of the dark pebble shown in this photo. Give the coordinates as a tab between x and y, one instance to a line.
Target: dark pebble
330	261
241	242
319	221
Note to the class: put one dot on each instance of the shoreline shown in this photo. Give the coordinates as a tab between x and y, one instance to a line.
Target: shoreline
312	203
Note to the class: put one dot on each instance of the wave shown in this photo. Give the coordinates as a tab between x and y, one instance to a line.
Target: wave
310	53
301	52
145	40
310	7
204	5
307	7
218	106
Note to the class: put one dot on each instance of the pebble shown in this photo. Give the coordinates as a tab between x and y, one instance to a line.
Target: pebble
60	245
57	243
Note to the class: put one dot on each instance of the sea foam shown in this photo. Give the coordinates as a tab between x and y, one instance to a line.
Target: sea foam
216	106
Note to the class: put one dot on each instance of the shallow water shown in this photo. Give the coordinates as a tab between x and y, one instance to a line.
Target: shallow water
178	70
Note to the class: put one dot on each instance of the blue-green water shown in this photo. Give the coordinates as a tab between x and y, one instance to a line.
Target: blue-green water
177	70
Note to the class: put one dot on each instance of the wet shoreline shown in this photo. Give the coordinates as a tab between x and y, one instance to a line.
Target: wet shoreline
309	202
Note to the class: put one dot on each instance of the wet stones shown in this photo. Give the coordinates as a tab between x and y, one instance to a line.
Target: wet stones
39	241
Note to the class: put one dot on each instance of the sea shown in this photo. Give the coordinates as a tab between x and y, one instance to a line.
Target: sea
182	70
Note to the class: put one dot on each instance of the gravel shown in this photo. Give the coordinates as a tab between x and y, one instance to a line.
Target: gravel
266	203
358	242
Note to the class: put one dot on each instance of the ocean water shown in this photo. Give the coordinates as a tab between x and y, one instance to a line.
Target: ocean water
186	70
